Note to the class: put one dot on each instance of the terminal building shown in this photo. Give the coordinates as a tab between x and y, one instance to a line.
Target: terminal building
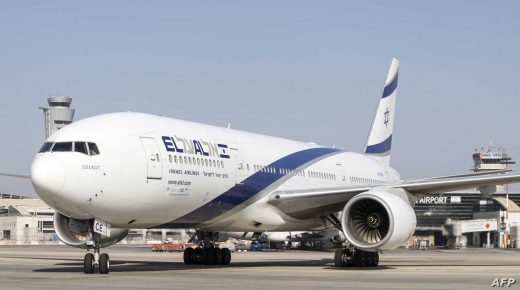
437	214
25	221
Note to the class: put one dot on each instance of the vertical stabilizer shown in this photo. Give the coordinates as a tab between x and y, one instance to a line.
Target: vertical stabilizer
379	140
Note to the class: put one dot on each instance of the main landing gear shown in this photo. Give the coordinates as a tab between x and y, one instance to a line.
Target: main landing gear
206	253
207	256
351	257
93	261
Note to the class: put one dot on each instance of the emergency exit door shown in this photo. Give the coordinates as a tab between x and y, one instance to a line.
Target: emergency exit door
153	158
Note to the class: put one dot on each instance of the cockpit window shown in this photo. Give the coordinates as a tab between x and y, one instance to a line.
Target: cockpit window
80	147
93	148
62	147
87	148
46	147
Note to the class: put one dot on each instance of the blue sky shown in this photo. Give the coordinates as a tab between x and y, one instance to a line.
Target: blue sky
305	70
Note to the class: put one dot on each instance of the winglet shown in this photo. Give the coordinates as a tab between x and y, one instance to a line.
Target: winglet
379	140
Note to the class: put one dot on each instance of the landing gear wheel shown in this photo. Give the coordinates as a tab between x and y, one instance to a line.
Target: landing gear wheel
374	260
188	254
209	256
218	256
88	263
343	258
356	258
104	264
338	258
207	252
198	255
226	256
360	258
365	259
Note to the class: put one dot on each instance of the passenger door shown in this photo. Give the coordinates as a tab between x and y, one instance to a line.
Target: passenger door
240	167
340	173
153	157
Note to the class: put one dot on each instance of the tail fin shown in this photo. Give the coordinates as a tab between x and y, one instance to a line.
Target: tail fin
379	140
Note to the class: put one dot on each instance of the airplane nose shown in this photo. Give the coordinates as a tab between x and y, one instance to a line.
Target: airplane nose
47	174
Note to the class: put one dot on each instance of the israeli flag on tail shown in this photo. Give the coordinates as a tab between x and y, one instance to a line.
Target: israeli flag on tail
379	140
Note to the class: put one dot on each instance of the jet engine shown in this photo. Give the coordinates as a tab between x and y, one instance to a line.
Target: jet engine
379	219
78	233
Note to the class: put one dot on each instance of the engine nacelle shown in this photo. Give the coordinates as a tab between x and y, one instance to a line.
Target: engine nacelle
379	219
78	233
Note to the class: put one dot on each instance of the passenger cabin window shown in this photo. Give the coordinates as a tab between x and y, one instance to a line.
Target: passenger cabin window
46	147
92	148
62	147
81	147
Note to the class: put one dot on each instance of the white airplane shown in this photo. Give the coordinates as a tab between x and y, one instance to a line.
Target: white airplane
109	173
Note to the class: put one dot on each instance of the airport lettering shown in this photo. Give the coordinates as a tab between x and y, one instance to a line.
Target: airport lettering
197	147
434	199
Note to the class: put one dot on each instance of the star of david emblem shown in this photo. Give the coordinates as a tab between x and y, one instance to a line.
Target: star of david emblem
387	116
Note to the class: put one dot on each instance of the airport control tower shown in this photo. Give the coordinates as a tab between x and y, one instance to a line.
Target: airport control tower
490	159
58	114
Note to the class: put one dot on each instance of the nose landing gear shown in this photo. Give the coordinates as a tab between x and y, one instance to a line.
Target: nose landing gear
94	261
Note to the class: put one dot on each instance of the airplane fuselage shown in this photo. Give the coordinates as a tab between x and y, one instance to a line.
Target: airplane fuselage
153	171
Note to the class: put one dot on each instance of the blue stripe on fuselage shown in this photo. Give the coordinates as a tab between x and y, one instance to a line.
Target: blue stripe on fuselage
252	185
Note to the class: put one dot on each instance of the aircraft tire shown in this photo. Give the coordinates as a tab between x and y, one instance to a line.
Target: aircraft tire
374	261
338	258
209	256
198	256
218	256
226	256
88	263
104	264
188	256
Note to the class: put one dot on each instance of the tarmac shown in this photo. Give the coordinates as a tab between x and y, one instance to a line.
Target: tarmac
137	267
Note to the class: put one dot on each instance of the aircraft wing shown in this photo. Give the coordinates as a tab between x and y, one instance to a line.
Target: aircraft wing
15	175
467	174
310	203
